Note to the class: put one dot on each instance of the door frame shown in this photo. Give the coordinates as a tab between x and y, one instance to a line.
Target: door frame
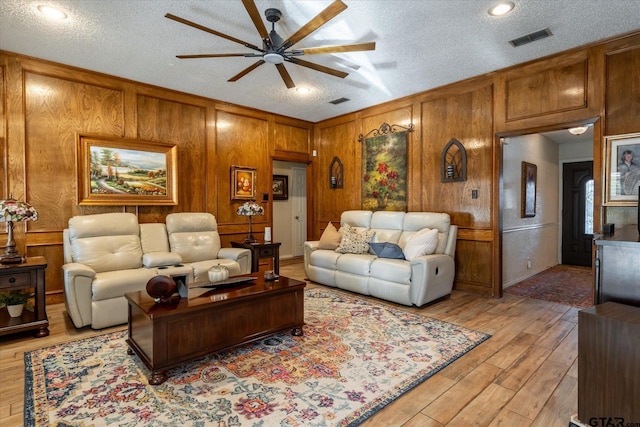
498	202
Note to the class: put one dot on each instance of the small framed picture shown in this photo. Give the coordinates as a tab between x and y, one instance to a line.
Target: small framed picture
529	177
243	183
280	187
622	169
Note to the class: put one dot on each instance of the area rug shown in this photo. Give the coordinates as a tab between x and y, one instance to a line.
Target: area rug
565	284
354	358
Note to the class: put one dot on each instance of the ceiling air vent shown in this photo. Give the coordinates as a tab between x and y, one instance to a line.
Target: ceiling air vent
537	35
339	101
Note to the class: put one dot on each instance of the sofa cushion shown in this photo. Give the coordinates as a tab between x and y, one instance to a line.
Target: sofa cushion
387	250
325	259
194	236
391	270
115	284
357	264
354	241
330	238
424	242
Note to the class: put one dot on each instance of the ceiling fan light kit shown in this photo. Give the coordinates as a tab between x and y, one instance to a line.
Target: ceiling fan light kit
274	49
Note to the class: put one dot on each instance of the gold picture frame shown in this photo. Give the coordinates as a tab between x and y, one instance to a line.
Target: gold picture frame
280	187
529	178
622	169
118	171
243	183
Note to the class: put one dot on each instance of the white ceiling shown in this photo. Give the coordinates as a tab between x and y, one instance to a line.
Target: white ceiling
421	44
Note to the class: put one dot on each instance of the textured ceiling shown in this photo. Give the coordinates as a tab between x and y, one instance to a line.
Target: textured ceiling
421	44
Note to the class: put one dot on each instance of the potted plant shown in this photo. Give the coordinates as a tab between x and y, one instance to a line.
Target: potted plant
15	302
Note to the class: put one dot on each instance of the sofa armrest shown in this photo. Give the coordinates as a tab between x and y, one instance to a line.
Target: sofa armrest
431	277
309	247
77	292
240	255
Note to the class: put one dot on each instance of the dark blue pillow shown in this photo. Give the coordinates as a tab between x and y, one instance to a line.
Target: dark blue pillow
387	250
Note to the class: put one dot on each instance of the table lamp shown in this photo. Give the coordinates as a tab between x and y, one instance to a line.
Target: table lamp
12	210
250	209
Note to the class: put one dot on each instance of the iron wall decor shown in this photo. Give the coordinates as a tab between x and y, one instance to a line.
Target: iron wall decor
243	183
117	171
453	162
336	173
280	187
384	168
622	169
529	178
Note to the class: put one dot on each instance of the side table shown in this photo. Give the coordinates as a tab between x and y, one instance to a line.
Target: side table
29	274
260	250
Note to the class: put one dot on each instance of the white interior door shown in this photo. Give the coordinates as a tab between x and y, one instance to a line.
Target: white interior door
299	223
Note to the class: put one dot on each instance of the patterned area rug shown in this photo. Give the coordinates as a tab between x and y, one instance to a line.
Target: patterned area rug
355	357
564	284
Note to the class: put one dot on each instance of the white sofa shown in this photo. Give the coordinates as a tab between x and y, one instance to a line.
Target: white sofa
108	255
417	281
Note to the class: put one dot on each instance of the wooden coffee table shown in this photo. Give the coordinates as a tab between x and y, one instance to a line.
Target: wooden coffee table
167	335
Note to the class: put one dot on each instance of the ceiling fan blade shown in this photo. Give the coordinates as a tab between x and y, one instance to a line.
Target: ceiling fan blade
246	71
256	18
339	49
210	31
323	17
285	76
317	67
210	55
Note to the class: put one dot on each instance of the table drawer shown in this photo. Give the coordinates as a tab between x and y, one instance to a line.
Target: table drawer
266	252
15	280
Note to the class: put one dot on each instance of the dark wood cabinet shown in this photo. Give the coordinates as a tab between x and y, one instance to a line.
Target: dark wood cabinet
617	267
609	364
26	275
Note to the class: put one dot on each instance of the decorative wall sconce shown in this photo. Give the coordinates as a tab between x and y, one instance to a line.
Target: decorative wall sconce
453	162
336	173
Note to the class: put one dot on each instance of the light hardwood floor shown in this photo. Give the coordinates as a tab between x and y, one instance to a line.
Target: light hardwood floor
524	375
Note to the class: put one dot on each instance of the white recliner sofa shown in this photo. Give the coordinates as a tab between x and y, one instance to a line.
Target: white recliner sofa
108	255
417	281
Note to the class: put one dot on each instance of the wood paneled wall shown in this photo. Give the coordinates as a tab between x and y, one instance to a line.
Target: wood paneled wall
546	94
44	106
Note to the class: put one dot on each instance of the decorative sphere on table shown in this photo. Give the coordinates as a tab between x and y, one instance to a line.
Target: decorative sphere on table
161	288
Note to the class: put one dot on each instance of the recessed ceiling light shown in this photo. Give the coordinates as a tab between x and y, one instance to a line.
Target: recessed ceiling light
52	12
501	8
303	90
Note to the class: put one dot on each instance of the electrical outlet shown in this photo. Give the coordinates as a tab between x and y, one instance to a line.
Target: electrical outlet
474	194
528	263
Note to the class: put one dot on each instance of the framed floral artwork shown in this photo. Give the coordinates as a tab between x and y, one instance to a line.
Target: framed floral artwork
384	170
243	183
116	171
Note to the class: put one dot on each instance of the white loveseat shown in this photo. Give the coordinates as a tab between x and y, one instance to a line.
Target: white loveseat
417	281
108	255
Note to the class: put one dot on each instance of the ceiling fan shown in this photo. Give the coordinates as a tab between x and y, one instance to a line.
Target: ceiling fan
274	49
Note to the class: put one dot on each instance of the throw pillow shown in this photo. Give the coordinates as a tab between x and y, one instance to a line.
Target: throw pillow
424	242
387	250
354	241
330	238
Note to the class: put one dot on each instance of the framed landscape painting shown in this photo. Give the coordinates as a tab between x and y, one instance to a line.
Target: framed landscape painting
115	171
529	178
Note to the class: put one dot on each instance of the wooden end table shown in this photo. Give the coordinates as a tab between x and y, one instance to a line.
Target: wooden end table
26	275
166	335
261	250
